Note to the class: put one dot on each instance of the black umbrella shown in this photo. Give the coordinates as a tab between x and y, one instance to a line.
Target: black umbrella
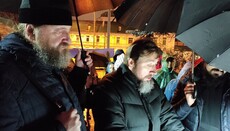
10	5
210	39
167	15
178	16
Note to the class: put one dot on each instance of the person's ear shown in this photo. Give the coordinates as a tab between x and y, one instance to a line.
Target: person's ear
131	63
29	32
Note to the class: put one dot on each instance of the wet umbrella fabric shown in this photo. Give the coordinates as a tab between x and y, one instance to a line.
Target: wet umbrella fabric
210	39
167	15
149	15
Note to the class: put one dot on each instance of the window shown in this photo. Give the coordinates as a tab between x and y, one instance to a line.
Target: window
118	40
130	40
88	28
164	41
77	38
74	38
98	38
87	38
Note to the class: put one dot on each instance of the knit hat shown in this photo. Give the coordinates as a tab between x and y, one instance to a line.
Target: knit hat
45	12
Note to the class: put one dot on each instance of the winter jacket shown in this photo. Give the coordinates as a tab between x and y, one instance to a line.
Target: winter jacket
32	93
120	107
77	79
192	116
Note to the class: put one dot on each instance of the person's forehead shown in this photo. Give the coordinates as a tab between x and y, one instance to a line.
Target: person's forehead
149	58
56	27
209	66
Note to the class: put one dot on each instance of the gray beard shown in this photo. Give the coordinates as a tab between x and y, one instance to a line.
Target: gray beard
52	56
146	86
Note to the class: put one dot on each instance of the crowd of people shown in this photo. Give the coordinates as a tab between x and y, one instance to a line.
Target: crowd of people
42	88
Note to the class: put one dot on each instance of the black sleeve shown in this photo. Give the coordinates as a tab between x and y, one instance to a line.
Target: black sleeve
77	79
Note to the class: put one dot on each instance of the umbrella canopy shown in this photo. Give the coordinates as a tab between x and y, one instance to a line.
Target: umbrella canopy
210	39
200	24
82	6
88	6
11	6
167	15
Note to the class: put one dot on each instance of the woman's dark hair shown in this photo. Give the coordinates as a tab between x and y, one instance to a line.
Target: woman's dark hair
142	47
169	59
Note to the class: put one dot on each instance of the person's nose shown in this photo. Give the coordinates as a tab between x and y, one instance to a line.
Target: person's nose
153	71
66	38
169	64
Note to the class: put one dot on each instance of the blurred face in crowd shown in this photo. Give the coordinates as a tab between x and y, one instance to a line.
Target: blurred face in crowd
144	69
110	68
52	42
214	72
171	64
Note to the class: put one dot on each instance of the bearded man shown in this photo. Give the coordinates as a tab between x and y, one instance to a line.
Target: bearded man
209	110
129	99
34	93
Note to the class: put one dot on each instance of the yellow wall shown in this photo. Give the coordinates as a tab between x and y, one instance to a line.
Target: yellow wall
102	44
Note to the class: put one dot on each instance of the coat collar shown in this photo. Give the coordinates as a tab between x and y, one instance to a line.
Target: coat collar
129	89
